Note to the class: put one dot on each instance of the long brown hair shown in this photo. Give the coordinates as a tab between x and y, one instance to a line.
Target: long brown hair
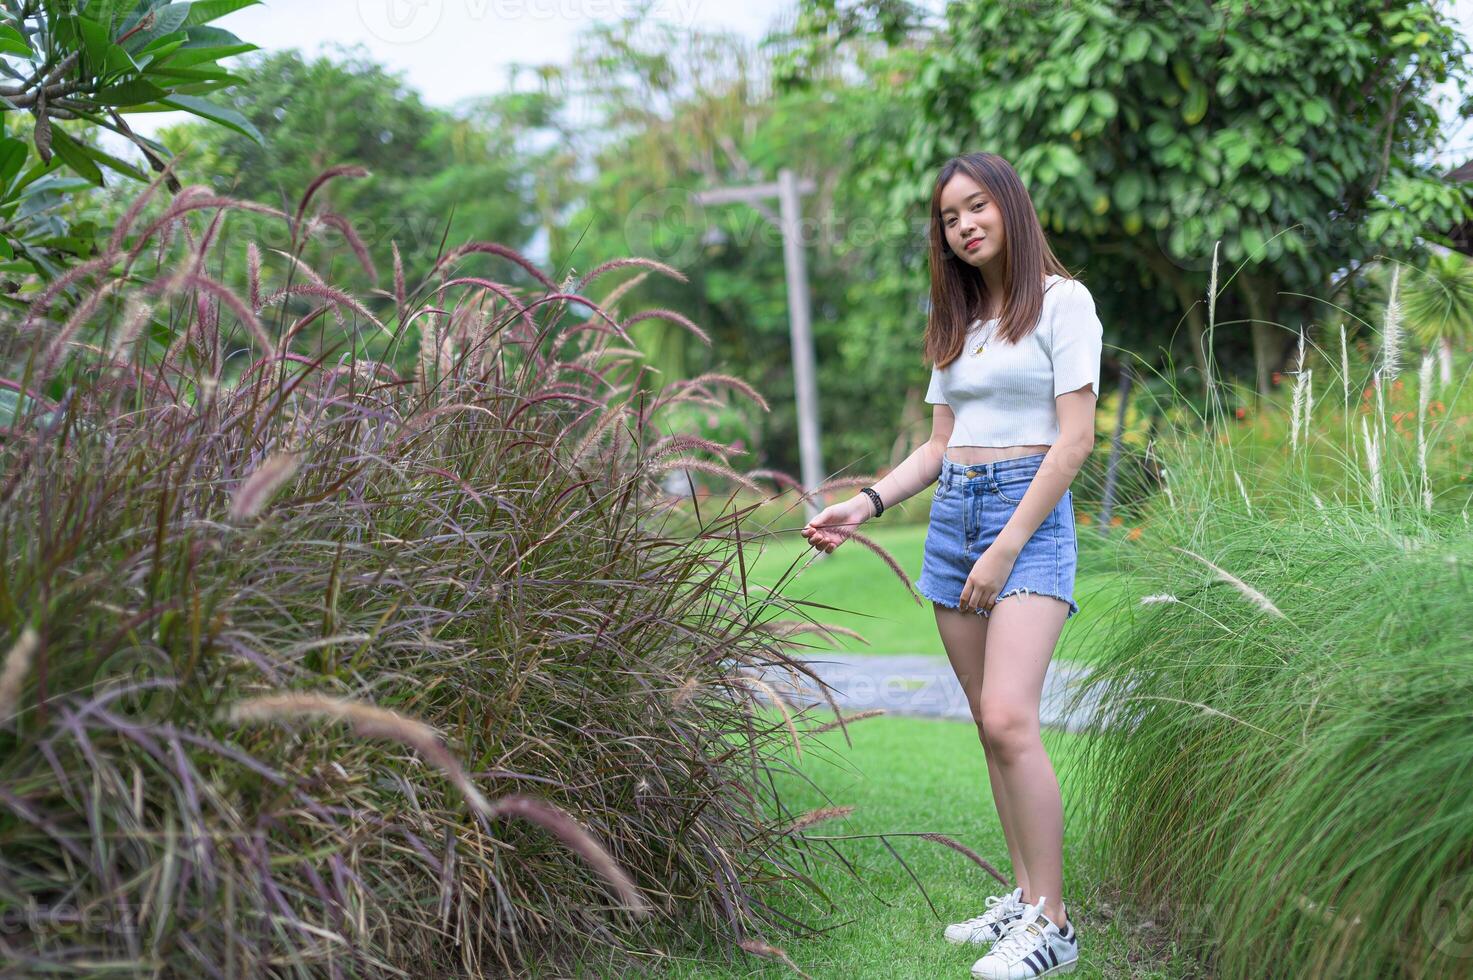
958	293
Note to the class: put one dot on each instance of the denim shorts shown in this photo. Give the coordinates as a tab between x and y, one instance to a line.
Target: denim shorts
968	510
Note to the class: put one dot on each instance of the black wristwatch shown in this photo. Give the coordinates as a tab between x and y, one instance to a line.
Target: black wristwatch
875	499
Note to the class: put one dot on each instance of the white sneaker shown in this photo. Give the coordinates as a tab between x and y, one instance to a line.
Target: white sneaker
1002	912
1032	947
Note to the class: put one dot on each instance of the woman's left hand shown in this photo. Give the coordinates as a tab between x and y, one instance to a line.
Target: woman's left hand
986	579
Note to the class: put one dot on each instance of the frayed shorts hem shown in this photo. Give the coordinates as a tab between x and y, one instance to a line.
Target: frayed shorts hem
957	602
949	603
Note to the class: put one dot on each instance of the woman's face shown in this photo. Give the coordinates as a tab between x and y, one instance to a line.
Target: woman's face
970	217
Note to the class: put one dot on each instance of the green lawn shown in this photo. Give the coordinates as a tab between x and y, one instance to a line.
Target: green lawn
867	597
911	775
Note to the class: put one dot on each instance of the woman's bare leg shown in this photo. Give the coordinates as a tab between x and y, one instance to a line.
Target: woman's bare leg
964	635
1021	635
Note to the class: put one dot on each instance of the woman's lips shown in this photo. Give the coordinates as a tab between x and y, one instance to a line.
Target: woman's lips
974	243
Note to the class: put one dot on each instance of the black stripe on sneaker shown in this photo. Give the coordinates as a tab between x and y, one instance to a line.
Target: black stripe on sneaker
1052	959
1036	966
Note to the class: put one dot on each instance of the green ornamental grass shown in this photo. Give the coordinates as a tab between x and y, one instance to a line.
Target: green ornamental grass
1289	771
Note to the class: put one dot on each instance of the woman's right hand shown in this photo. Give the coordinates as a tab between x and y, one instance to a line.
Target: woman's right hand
851	512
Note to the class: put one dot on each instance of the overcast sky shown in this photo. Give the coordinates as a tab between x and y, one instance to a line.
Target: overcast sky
450	49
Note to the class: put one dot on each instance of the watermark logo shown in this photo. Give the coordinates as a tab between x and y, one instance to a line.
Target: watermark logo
1447	917
667	225
401	21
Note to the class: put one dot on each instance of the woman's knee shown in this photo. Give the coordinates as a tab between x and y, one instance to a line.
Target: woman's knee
1006	730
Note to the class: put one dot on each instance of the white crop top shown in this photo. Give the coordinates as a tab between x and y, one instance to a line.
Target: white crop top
1005	395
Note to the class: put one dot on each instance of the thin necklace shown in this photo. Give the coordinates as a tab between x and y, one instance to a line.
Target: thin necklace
982	344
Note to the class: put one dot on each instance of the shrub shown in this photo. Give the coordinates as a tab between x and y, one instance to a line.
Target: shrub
1287	782
320	667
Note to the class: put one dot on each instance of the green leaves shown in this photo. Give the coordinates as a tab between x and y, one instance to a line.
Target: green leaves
107	57
73	155
13	42
1194	107
167	19
1129	190
135	91
226	117
1073	113
204	11
1098	103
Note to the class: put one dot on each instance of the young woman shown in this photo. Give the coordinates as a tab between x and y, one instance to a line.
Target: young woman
1015	344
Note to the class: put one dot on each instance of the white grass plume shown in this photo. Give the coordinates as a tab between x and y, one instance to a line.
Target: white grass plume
1373	459
1244	491
1380	413
1296	413
1424	393
1345	365
13	674
1391	329
259	487
1211	319
1303	402
1258	598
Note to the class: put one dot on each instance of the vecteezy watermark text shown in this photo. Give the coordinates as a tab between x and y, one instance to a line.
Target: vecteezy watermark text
412	21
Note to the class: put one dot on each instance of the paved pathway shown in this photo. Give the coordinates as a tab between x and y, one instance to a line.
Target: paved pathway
919	684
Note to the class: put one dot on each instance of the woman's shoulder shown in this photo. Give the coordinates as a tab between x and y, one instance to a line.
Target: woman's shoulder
1063	289
1066	299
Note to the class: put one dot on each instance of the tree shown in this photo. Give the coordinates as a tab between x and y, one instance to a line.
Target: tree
434	175
92	63
678	111
1290	131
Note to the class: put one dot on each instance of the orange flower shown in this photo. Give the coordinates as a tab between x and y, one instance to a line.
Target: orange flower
1135	533
1083	518
1116	521
1242	412
1398	385
1276	376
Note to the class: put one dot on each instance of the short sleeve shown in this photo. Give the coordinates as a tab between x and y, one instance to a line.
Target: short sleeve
1077	338
933	393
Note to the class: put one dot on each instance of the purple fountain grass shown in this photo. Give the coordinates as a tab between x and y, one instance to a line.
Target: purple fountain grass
207	504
